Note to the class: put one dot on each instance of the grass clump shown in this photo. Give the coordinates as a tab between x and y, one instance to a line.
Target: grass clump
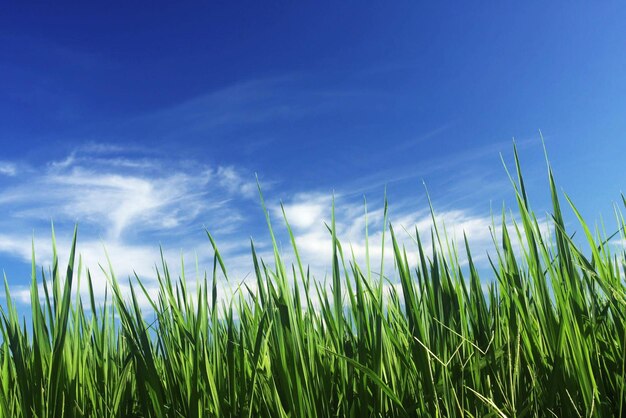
546	338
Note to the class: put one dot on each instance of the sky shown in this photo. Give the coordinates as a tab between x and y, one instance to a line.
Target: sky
148	124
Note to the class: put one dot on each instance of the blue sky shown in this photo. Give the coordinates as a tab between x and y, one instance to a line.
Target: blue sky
145	124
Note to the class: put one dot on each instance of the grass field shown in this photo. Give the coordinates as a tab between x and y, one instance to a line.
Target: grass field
546	338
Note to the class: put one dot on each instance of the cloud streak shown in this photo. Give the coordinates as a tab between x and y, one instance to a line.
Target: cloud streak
119	196
8	169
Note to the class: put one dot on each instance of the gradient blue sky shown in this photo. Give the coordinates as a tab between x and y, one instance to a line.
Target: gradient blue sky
145	123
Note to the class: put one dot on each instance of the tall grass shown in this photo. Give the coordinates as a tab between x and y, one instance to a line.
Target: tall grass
546	338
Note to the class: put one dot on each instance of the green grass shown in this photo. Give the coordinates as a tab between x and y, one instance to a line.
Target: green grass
546	338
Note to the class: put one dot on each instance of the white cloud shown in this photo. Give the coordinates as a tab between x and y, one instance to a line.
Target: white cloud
231	180
306	210
126	204
8	169
115	198
308	213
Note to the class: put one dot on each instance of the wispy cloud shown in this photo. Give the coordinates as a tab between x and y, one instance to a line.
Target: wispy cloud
240	105
8	169
308	215
258	111
126	204
420	139
117	194
129	202
448	167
